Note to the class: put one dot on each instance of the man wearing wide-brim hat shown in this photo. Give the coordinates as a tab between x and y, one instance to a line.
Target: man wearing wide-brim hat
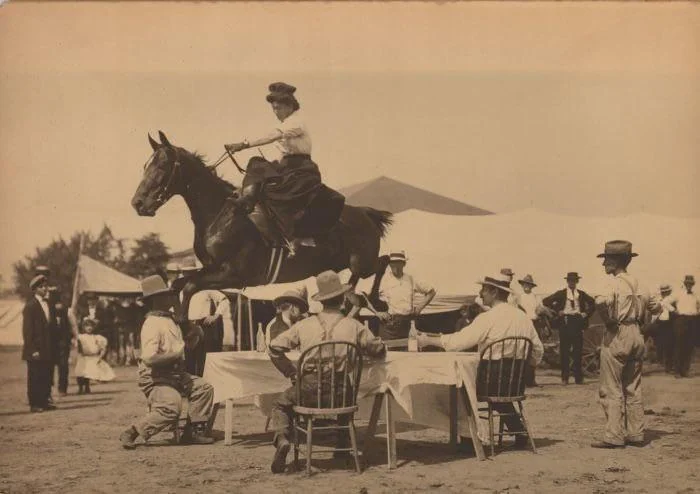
502	320
685	325
572	310
290	307
624	307
162	377
397	289
329	324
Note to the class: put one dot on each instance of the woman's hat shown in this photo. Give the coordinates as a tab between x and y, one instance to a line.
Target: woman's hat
398	256
572	275
329	286
153	285
500	281
281	92
527	280
618	248
37	280
292	297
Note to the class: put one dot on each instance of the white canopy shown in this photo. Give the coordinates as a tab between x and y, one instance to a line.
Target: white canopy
452	252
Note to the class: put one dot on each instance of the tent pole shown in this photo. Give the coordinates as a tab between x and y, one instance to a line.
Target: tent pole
250	324
239	320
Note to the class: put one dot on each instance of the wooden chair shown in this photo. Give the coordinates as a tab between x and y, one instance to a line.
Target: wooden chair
323	392
502	380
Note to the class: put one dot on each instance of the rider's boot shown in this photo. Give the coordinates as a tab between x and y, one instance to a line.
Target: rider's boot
264	226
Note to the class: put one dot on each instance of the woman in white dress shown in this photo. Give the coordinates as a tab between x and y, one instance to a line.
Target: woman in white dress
91	351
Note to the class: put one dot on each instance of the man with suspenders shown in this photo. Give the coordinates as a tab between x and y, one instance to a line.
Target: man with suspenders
624	308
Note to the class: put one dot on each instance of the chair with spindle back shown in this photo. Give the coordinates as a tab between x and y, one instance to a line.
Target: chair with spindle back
501	379
328	379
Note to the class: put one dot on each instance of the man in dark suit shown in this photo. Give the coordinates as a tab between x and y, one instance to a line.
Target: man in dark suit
61	337
37	345
573	308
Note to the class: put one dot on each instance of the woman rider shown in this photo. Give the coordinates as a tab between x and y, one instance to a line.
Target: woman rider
292	183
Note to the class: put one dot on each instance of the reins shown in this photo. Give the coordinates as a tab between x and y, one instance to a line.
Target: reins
227	154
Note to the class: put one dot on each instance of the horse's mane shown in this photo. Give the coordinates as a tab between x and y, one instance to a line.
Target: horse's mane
200	160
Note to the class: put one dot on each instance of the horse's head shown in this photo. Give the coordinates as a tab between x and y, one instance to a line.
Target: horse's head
162	177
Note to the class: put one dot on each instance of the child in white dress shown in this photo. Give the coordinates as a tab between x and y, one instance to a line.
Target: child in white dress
90	363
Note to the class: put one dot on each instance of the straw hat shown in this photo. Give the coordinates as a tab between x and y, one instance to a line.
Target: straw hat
507	272
37	280
665	288
292	297
189	265
398	256
329	286
500	281
153	285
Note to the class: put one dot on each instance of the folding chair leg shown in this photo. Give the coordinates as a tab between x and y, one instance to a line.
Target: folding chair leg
527	428
353	441
309	443
491	438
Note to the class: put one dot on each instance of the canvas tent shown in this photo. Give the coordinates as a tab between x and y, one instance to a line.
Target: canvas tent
93	276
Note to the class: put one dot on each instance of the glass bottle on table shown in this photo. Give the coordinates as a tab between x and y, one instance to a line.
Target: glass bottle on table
413	338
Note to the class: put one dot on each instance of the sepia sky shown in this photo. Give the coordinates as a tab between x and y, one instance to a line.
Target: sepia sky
590	109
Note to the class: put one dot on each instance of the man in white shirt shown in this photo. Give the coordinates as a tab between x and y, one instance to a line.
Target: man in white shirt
162	375
397	290
662	329
624	307
501	321
534	309
687	305
205	315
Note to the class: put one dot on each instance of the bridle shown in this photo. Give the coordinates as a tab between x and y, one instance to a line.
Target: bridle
165	192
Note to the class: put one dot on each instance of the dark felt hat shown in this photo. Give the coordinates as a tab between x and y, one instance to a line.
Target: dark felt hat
621	248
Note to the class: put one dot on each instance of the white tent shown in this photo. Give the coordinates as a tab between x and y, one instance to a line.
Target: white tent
452	252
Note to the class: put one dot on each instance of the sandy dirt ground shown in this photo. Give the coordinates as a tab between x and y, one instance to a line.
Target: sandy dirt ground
75	449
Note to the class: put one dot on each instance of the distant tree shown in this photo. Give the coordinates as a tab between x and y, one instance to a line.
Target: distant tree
61	257
148	255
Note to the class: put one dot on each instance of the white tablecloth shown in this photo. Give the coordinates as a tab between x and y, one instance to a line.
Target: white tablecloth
419	383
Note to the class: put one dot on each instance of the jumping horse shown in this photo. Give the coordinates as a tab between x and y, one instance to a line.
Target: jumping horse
233	252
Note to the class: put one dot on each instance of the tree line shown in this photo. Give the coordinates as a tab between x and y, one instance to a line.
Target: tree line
138	258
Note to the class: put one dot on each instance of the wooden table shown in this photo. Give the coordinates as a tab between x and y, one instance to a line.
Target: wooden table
238	375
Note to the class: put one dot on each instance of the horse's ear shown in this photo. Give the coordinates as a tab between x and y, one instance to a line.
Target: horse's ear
153	143
164	140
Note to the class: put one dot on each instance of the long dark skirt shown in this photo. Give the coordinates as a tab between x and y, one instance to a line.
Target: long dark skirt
301	205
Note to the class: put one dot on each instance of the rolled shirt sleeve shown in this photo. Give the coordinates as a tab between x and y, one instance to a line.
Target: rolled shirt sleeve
371	345
468	337
151	340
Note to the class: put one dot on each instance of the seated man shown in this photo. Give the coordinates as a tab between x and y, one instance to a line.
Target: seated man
291	307
502	320
329	324
162	377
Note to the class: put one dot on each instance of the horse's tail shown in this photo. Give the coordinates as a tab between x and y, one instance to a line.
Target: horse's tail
382	219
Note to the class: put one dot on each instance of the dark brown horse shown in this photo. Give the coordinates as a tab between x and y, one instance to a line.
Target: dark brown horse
230	247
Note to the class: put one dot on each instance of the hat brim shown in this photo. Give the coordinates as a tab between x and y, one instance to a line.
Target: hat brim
488	283
292	300
162	291
631	254
575	278
525	282
320	297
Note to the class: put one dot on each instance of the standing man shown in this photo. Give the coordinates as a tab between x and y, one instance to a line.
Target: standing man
162	376
663	329
514	296
329	324
61	336
624	308
37	345
687	306
534	310
205	314
573	308
396	290
502	320
291	308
